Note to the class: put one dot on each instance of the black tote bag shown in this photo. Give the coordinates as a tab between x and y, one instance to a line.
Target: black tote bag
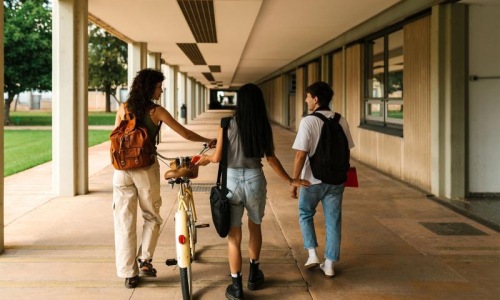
219	204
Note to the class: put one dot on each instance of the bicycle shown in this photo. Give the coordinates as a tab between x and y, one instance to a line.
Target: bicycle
182	170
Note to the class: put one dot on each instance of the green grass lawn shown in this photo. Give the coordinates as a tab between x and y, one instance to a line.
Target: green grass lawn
24	149
44	118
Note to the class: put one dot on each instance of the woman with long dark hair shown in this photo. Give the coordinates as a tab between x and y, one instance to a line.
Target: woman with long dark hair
142	186
250	139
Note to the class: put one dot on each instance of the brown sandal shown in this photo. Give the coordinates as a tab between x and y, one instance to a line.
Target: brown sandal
146	268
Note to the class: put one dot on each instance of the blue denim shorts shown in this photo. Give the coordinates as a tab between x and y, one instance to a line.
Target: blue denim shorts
247	190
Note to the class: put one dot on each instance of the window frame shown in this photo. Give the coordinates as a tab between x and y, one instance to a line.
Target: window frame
381	123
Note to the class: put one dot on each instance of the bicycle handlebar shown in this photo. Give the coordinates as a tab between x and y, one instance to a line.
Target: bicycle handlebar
183	167
203	150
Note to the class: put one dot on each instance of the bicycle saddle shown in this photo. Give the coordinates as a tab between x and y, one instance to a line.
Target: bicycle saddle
179	173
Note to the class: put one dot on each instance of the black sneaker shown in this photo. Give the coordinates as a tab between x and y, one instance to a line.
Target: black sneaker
132	282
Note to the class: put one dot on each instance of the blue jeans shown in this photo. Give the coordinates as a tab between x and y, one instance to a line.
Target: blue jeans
331	200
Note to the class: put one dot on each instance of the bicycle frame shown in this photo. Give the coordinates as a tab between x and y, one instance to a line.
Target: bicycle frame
182	222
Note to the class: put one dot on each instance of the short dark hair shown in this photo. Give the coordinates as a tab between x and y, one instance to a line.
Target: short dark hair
323	91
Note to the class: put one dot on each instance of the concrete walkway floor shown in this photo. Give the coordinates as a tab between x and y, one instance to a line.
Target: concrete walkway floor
396	243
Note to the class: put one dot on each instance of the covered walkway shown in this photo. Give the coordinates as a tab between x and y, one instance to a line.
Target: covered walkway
396	244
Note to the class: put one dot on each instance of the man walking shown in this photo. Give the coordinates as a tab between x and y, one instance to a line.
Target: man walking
319	96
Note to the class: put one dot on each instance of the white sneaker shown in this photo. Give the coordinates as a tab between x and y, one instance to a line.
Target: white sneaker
329	272
312	262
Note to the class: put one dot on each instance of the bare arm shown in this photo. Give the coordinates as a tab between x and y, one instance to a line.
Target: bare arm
298	164
275	164
217	155
119	114
161	114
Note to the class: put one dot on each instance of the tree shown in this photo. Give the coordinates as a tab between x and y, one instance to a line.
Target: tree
107	62
28	48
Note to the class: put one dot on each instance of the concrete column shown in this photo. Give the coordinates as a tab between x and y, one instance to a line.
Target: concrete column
2	105
137	59
192	108
69	97
448	100
199	99
154	60
189	100
175	88
181	99
195	99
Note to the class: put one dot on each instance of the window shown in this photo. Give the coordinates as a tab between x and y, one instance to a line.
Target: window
384	80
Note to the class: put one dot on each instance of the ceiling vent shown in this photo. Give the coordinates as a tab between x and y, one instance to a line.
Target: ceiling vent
200	17
192	52
214	69
209	76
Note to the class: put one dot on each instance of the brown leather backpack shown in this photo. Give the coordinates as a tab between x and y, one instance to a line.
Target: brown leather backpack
131	147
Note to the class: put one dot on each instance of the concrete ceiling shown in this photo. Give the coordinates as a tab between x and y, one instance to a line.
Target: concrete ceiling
254	37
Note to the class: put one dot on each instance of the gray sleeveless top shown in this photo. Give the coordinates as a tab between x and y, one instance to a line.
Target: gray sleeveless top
235	157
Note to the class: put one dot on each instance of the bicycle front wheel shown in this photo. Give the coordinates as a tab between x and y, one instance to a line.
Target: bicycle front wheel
192	238
186	283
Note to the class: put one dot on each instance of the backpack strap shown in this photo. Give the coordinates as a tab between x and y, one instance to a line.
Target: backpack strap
127	115
336	117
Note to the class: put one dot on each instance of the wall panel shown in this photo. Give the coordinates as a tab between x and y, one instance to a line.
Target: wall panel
353	79
390	154
338	83
300	96
416	82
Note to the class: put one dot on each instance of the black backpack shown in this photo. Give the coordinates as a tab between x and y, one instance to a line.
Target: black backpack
330	162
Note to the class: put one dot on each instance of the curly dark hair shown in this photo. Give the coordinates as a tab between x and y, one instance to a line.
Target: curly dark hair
141	92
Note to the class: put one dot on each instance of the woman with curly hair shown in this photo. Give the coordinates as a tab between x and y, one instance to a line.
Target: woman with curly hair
142	186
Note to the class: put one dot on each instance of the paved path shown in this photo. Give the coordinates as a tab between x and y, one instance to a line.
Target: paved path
396	243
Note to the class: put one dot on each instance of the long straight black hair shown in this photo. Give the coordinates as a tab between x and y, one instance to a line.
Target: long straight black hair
253	124
142	90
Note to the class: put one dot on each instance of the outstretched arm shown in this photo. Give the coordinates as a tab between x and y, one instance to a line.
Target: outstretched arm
161	114
298	164
275	164
217	155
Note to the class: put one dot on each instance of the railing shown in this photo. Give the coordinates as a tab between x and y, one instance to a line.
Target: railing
476	78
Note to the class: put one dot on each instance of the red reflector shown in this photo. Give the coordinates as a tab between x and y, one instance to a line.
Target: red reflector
182	239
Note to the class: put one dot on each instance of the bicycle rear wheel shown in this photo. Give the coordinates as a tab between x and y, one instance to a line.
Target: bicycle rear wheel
186	283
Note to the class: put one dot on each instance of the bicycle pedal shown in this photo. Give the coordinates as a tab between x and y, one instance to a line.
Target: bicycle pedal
171	262
205	225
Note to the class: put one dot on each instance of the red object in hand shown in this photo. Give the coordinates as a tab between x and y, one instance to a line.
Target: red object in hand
195	159
352	178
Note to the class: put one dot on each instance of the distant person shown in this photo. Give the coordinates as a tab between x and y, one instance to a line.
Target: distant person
142	186
250	139
319	96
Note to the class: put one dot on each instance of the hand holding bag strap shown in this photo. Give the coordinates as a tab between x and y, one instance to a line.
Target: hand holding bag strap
222	173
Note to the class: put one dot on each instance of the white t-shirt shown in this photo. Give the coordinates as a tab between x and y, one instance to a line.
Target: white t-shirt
308	136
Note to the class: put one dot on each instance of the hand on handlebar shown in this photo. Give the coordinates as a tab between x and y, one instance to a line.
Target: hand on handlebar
203	160
212	143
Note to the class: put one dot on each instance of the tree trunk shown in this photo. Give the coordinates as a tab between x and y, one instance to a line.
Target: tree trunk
15	103
107	90
8	101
